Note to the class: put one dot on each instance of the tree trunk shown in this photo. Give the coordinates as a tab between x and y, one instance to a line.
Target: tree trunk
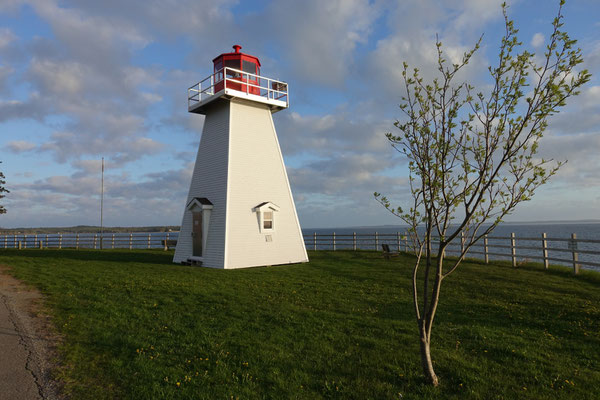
426	363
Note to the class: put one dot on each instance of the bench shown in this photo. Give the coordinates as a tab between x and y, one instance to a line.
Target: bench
387	253
167	244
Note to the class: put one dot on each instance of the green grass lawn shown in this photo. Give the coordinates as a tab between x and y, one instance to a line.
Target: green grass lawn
136	326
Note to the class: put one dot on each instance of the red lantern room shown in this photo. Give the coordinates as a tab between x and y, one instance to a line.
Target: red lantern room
237	75
241	67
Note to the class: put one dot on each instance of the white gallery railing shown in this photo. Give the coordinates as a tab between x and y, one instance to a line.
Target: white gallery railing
240	81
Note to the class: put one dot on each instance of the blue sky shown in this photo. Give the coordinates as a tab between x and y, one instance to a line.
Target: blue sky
81	80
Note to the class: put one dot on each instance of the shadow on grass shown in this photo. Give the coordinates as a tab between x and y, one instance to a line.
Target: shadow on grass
113	255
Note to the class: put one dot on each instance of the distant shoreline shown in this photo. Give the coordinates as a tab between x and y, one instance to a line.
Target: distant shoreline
171	228
558	222
89	229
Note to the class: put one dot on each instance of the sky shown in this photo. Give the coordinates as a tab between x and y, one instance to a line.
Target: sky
86	79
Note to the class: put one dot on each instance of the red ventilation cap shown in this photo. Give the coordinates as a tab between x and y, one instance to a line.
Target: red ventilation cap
237	48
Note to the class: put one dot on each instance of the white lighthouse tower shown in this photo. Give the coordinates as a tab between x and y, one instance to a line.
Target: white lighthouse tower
239	212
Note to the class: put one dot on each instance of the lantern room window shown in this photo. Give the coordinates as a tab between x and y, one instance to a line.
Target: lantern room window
249	66
233	64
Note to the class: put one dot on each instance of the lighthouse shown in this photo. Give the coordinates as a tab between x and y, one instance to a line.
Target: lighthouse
239	211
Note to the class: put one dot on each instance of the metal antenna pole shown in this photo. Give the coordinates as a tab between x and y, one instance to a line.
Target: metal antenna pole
102	209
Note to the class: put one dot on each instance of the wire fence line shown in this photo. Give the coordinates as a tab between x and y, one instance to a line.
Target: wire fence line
572	251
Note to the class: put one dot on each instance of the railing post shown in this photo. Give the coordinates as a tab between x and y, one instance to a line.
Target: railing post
545	250
15	242
77	241
5	241
60	240
35	240
113	241
513	249
47	241
354	241
41	243
406	242
25	241
149	240
485	249
573	246
20	245
95	239
314	240
376	240
333	241
130	240
398	240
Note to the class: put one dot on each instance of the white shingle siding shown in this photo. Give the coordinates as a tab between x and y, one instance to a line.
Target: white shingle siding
239	166
257	174
209	180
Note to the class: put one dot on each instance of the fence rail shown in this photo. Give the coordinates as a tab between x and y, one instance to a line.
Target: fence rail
584	252
134	240
567	251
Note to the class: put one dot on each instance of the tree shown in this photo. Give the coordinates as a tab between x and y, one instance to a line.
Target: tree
2	190
472	156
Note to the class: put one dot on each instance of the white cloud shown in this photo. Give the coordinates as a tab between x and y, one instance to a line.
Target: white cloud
537	40
320	37
6	37
20	146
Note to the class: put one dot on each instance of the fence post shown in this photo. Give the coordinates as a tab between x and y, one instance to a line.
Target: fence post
314	240
41	243
20	245
376	240
513	249
130	240
15	243
25	241
77	241
35	240
354	241
333	241
5	241
545	250
398	240
149	240
573	245
485	250
47	241
95	239
112	245
60	240
406	242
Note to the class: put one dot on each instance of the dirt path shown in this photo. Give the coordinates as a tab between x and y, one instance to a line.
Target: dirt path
26	347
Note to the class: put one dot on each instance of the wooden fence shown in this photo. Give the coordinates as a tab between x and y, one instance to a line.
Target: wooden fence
580	252
572	251
137	240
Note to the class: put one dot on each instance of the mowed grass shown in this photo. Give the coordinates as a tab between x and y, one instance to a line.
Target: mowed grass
136	326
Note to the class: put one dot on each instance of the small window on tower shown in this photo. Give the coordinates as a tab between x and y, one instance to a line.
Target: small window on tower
268	220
